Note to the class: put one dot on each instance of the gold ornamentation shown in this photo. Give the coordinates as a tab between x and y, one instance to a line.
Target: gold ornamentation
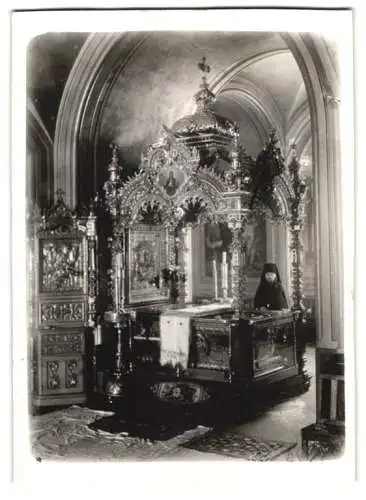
92	267
147	257
53	378
62	266
71	374
62	312
180	392
238	275
296	229
205	125
174	188
68	343
112	185
211	344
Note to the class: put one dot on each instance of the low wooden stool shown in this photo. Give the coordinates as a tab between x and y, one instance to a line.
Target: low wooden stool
328	438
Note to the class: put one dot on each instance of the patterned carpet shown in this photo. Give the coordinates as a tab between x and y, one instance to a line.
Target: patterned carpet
239	446
66	435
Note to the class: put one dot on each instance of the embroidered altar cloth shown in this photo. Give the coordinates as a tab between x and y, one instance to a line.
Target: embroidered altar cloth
175	332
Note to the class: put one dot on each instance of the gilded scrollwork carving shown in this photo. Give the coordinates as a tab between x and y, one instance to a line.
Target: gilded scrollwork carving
53	377
64	312
296	228
64	291
71	374
62	264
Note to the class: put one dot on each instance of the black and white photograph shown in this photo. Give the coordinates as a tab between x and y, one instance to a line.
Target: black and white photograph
188	244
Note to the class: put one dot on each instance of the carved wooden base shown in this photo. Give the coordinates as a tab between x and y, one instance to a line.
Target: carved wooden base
59	367
48	403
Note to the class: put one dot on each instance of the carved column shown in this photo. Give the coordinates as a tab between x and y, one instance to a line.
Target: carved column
296	228
182	255
238	276
335	223
170	242
91	233
187	260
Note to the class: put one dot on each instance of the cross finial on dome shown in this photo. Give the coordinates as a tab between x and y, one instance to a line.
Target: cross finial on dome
204	97
203	66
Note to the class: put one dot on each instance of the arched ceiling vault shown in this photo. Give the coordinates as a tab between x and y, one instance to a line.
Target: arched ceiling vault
254	126
261	95
153	81
249	95
157	85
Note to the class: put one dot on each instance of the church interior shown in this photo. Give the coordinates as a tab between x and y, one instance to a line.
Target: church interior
168	175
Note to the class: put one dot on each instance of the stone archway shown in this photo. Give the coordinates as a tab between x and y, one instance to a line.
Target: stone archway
91	76
322	87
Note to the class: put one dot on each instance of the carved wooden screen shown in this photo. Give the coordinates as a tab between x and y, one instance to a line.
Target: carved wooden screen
62	281
63	300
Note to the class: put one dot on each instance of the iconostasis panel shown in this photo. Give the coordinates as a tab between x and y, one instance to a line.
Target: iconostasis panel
147	257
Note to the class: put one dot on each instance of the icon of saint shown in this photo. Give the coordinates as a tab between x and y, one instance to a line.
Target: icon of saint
171	184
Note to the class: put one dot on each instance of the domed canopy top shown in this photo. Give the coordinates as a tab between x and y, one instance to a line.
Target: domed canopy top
205	122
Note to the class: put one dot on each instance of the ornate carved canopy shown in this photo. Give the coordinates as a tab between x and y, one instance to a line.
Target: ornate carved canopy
170	183
173	187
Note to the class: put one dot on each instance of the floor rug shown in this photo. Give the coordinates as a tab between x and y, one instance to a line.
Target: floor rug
239	446
144	430
67	435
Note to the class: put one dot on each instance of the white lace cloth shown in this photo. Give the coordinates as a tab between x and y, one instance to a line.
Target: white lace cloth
175	330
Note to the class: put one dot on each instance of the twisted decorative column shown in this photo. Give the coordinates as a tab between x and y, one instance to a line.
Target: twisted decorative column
296	229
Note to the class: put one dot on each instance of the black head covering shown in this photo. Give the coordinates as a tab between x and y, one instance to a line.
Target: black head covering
270	295
270	267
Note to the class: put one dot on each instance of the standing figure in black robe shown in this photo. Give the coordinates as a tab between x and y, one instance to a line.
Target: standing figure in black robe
270	293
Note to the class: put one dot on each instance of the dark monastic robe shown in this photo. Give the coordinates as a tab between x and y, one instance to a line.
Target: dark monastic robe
270	295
